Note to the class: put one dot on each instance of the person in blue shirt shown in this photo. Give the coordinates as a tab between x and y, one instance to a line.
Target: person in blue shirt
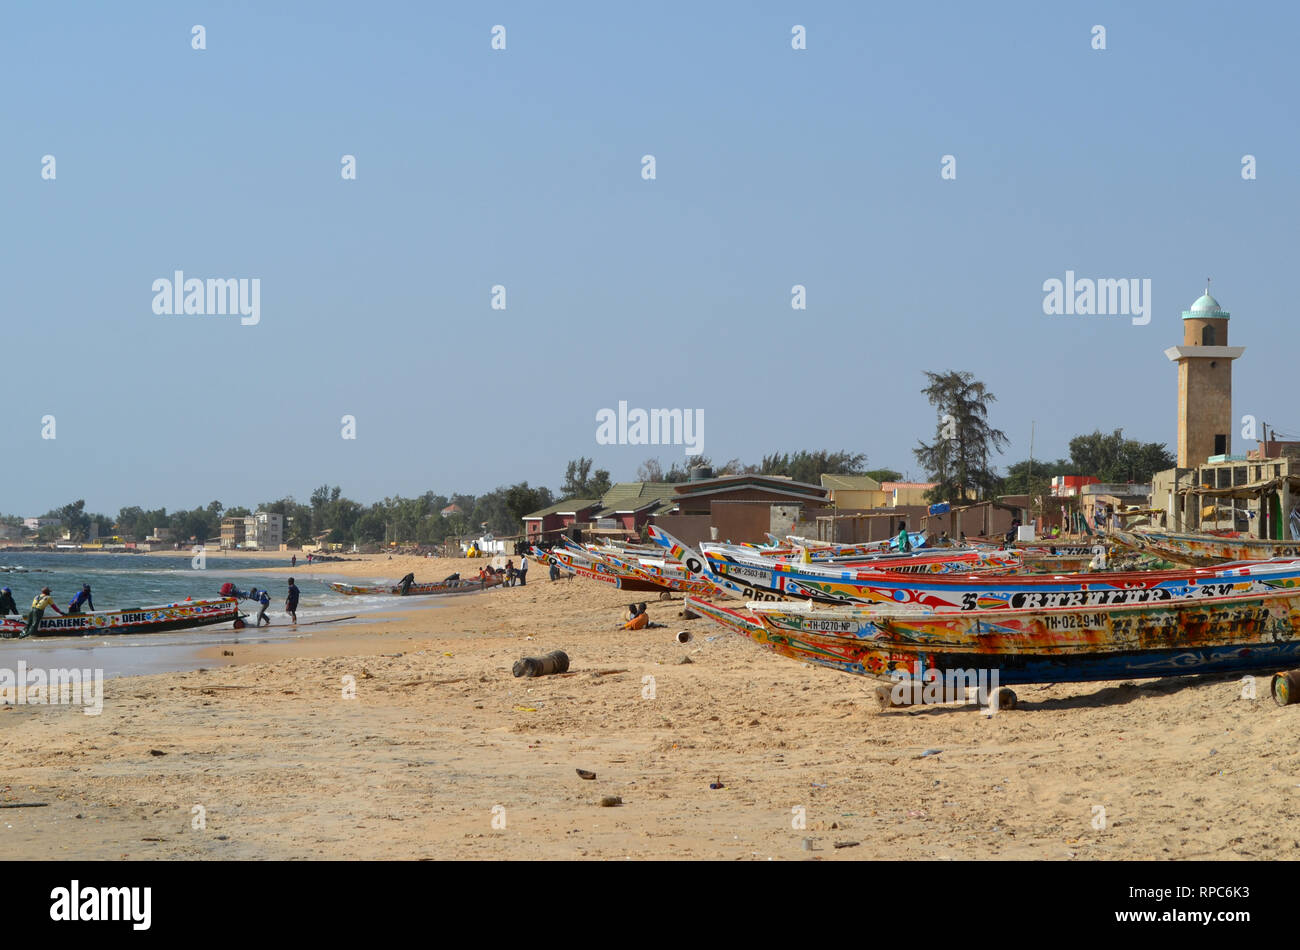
264	599
83	597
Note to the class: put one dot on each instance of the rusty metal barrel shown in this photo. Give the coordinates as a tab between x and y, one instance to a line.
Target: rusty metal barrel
1286	688
557	661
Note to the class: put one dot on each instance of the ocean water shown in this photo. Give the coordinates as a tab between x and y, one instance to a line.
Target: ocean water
124	581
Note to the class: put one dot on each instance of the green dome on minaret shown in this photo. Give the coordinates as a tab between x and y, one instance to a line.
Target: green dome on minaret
1206	308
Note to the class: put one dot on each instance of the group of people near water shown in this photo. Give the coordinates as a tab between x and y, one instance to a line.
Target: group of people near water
263	599
40	603
509	575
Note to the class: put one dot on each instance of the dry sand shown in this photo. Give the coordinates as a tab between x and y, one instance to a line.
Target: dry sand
441	741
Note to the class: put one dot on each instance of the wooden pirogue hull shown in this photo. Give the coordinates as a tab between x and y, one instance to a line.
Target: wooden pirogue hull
1180	638
159	619
464	586
600	571
1205	549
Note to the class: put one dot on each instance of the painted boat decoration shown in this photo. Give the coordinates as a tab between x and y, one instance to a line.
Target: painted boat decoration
926	561
158	619
594	571
678	581
1205	549
1229	634
827	550
466	585
981	591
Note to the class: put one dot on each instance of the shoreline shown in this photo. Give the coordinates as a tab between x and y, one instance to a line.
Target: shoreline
440	734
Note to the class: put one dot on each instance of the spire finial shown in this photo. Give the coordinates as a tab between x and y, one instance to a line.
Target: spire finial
1207	286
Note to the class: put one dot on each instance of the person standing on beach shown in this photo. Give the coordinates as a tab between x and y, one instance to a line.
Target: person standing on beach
291	602
293	562
904	542
264	599
7	605
523	570
42	601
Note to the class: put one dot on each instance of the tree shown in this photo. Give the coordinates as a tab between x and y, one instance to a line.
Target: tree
958	458
884	475
579	482
1112	458
1034	477
73	519
809	467
520	500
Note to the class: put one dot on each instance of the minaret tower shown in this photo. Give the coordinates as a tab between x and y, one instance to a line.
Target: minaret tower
1204	382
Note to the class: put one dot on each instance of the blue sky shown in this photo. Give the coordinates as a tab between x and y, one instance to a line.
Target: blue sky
522	167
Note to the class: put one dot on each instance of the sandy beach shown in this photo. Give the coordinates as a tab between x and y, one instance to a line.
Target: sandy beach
444	754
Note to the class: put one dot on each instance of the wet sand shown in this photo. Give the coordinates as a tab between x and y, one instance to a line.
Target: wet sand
444	754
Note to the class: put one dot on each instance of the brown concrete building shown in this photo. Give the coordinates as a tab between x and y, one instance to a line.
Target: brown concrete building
741	508
1204	383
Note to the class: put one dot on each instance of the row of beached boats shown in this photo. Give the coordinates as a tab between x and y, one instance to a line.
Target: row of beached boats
933	612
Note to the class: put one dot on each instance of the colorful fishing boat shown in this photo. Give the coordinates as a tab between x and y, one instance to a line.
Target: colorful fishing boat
978	591
1229	634
159	619
595	571
671	578
1204	549
465	585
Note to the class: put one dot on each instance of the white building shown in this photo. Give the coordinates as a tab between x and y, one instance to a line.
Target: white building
264	531
35	524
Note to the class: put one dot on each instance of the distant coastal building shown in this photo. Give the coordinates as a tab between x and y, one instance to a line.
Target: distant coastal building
452	509
550	522
855	491
35	524
264	531
905	494
232	533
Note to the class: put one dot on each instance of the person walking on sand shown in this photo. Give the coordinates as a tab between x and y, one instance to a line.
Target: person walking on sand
291	602
44	600
264	599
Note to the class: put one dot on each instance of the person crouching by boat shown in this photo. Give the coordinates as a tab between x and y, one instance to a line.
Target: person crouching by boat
43	601
264	599
404	585
7	605
291	602
83	597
